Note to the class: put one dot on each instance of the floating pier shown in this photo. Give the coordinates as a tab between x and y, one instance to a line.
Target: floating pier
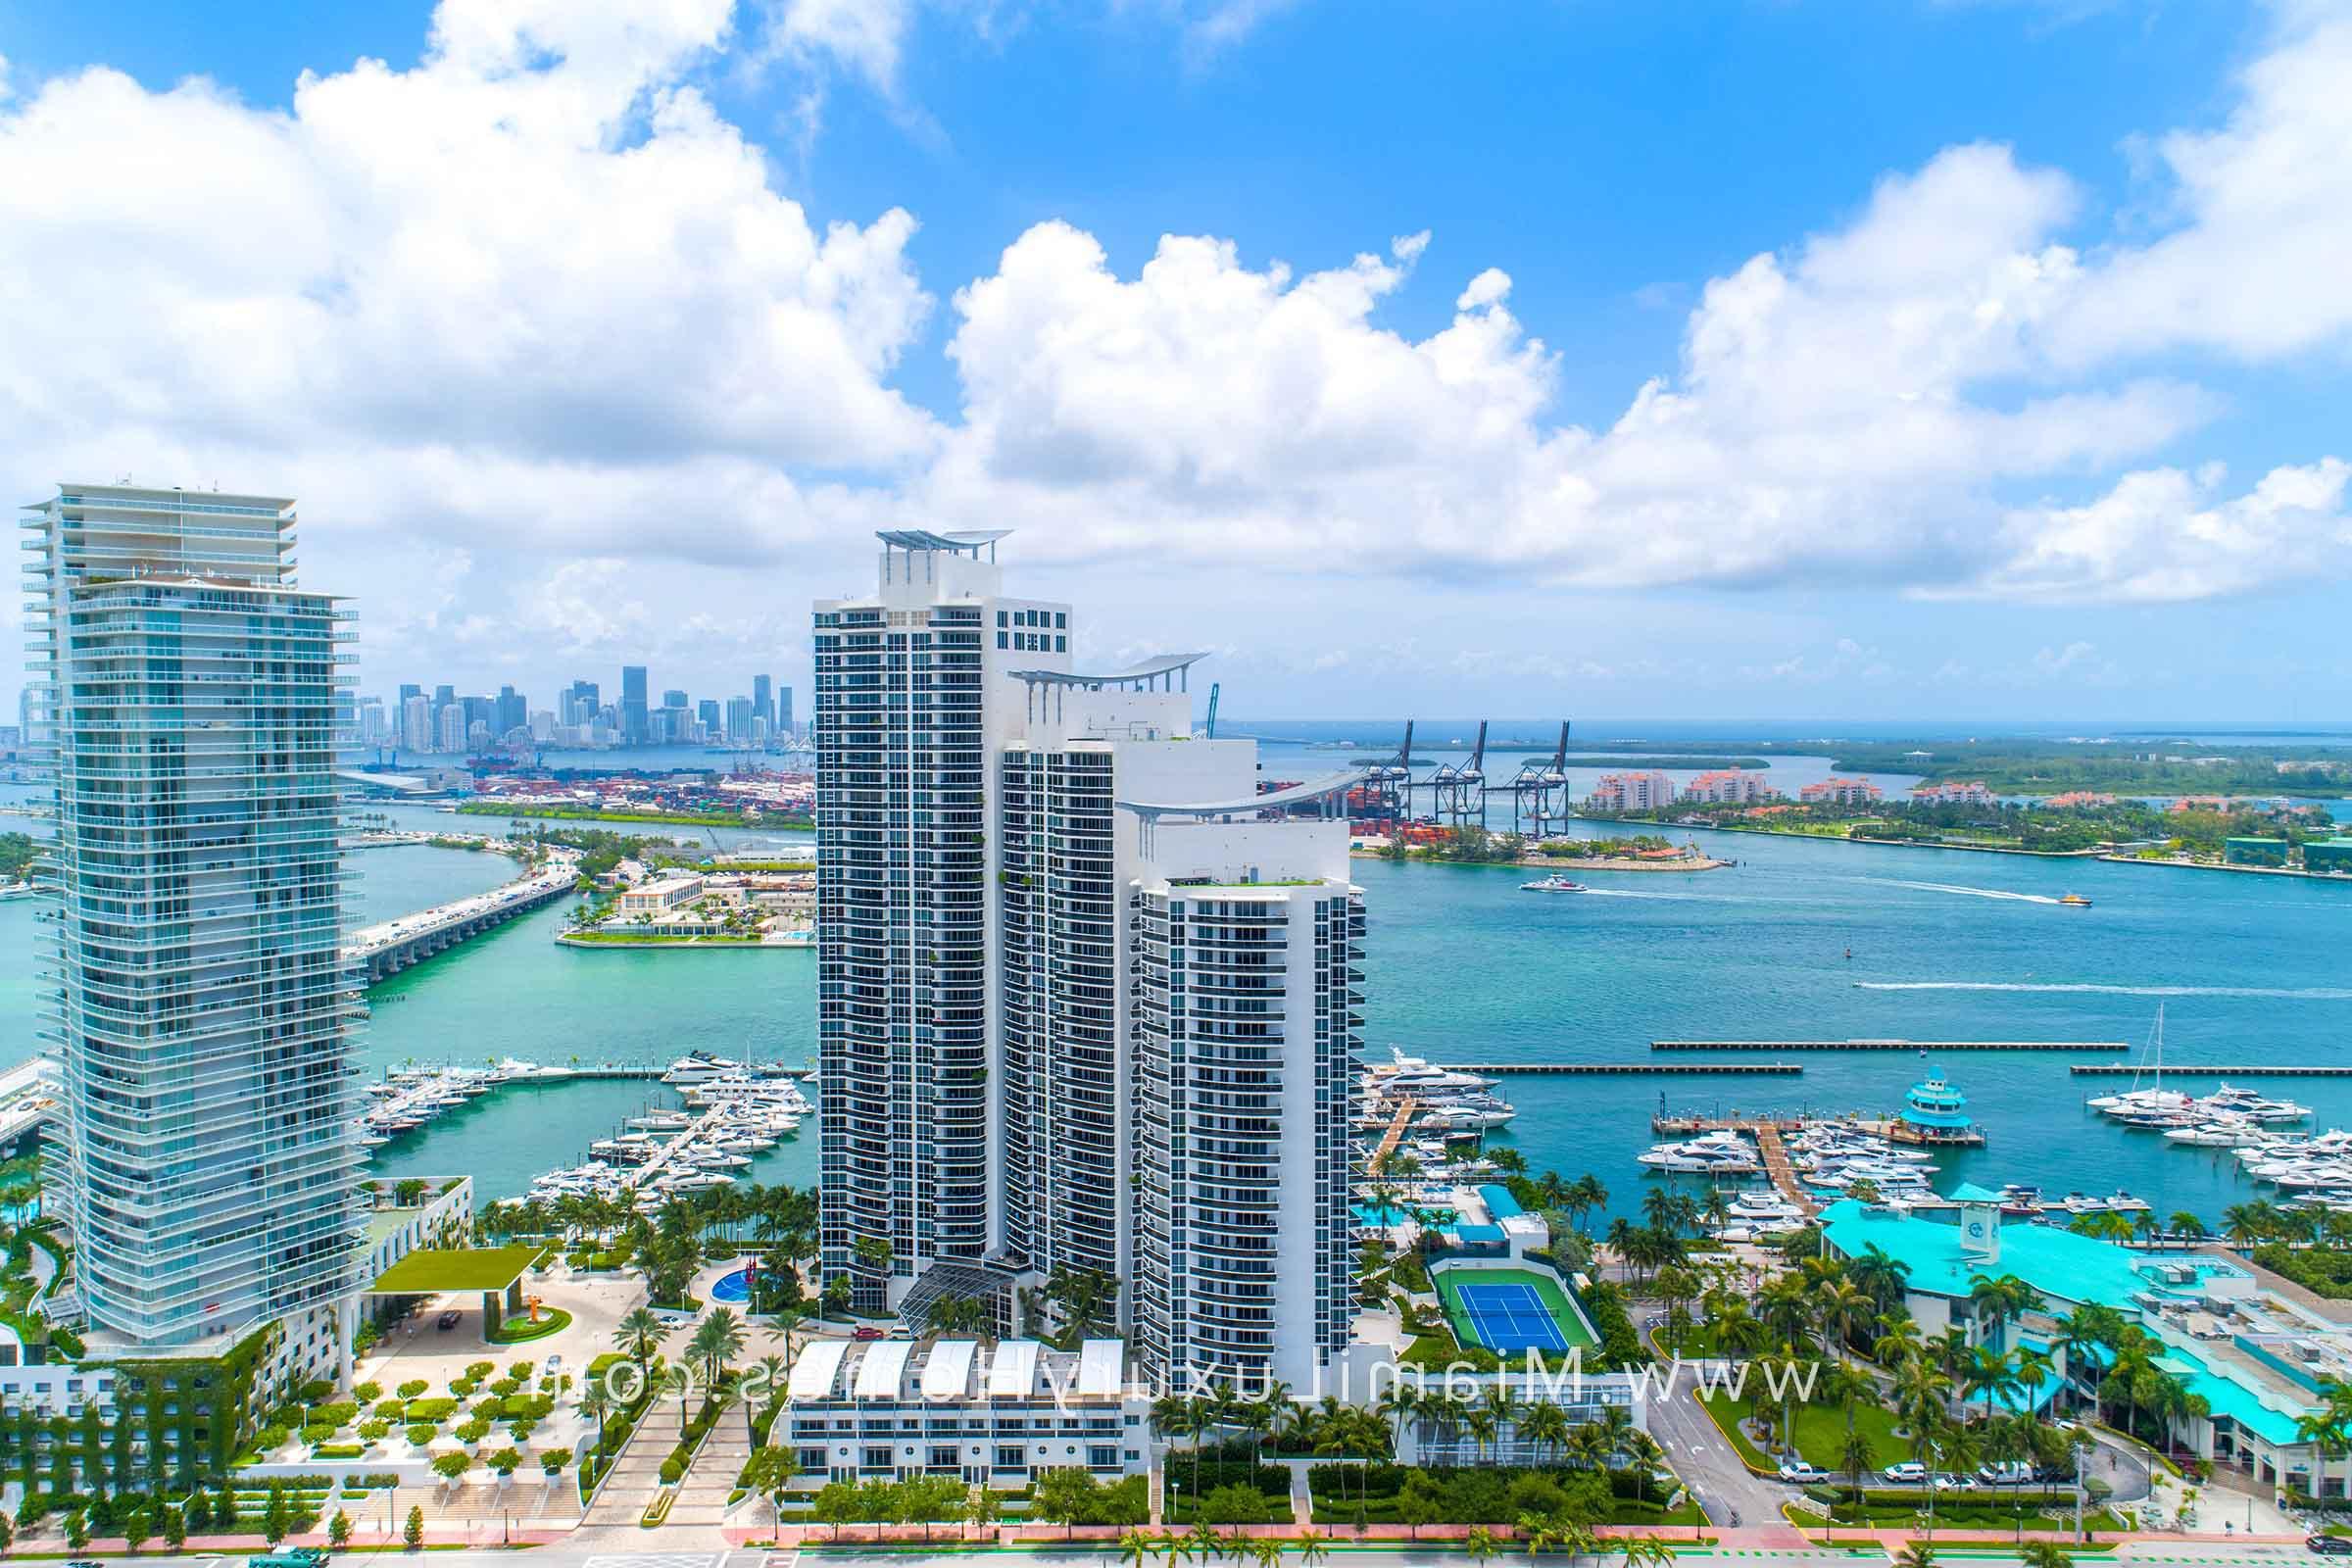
1639	1070
2109	1045
2121	1069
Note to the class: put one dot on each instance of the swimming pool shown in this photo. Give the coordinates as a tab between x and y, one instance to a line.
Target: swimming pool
735	1287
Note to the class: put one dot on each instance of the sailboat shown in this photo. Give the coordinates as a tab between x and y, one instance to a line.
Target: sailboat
2136	1102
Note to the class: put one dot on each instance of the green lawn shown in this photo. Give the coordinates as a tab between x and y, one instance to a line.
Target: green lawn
1820	1433
625	938
433	1269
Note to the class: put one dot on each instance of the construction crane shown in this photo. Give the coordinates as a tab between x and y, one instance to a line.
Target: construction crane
1208	731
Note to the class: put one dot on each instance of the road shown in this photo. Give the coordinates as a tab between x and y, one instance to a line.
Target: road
1105	1554
1710	1467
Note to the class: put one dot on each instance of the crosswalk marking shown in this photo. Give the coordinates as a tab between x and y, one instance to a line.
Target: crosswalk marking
653	1559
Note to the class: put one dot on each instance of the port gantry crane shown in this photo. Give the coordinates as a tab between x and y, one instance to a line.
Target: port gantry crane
1540	796
1457	792
1388	786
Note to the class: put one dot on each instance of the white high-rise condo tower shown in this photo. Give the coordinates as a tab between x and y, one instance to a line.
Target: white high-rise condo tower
201	1023
1086	1004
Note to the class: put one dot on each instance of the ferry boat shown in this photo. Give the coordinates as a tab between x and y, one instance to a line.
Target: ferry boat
1554	883
2075	901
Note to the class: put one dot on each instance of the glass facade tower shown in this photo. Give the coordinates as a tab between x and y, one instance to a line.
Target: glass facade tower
201	1024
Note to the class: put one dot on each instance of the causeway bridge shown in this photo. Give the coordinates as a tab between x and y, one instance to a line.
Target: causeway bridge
391	946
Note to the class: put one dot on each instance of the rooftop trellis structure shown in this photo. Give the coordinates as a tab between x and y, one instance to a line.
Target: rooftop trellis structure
1328	795
1170	673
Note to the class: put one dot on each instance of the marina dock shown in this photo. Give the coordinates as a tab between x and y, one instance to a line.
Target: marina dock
2111	1047
2174	1069
1642	1069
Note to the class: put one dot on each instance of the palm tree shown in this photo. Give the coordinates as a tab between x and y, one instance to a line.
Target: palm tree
1480	1543
1918	1554
1644	1454
2044	1555
1135	1549
640	1332
1314	1548
679	1380
1991	1373
1856	1457
1544	1429
1839	1302
1397	1406
596	1403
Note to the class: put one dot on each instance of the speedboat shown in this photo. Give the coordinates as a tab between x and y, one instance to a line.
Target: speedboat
2076	901
1554	883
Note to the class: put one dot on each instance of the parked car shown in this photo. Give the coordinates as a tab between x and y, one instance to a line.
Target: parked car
2007	1473
2324	1545
1906	1473
1802	1471
868	1332
1945	1480
447	1321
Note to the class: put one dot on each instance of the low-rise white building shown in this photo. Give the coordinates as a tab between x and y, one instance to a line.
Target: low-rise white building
661	894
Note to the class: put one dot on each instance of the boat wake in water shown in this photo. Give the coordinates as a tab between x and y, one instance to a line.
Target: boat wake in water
1974	893
2304	994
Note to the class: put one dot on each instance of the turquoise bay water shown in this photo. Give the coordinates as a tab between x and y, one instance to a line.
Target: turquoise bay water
1464	967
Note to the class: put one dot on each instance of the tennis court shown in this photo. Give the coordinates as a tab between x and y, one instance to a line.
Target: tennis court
1511	1311
1510	1317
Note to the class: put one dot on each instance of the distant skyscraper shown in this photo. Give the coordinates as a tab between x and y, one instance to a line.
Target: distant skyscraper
1022	1071
514	711
708	712
633	731
784	710
452	727
739	721
203	1163
581	703
416	724
763	702
409	689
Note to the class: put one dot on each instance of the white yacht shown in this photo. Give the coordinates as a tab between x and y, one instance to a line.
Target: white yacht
1417	1075
1466	1115
697	1066
1720	1153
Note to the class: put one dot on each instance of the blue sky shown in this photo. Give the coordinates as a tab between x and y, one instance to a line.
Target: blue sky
1995	376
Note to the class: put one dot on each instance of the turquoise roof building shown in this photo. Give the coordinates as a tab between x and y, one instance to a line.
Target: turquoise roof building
2256	1358
1935	1112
